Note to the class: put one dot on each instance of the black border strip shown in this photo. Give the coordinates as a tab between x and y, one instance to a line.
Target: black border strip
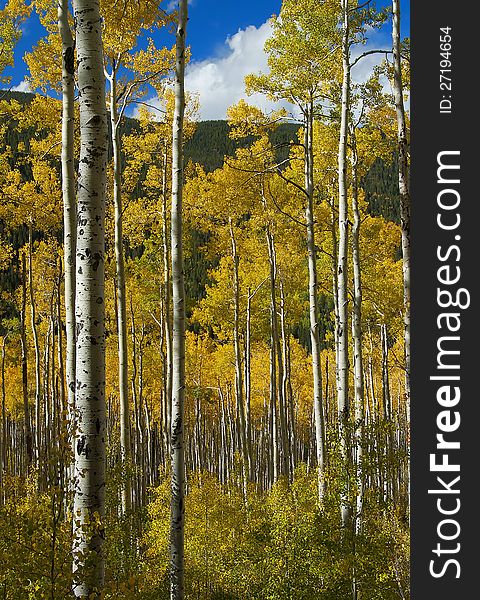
434	132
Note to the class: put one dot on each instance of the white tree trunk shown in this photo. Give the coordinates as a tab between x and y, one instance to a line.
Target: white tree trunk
283	449
313	302
238	364
68	194
125	445
3	435
23	341
342	270
89	303
357	337
404	188
36	345
167	295
177	525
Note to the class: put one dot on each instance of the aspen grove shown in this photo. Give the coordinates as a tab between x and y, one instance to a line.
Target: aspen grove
204	325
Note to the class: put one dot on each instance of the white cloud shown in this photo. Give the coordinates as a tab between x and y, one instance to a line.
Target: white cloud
23	86
379	41
219	81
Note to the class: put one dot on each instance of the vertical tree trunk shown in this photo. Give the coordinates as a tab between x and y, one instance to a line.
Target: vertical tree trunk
36	345
61	361
313	302
125	449
280	387
342	269
23	340
68	194
89	499
167	293
287	386
273	427
404	188
238	363
248	382
3	434
357	336
177	526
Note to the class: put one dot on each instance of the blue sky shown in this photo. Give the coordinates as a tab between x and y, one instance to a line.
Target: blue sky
226	39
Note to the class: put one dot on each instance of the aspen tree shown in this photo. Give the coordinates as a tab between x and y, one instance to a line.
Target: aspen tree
124	24
89	305
357	333
342	268
300	52
177	525
23	340
404	186
3	417
68	192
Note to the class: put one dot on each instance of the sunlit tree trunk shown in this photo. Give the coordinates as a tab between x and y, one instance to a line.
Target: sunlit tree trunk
238	362
23	341
3	434
357	335
313	303
125	446
68	193
177	525
248	381
404	188
283	449
89	498
59	322
342	269
167	295
36	345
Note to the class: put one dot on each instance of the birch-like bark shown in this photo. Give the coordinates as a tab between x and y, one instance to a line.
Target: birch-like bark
125	445
273	427
23	340
404	188
357	337
248	381
313	303
177	524
167	295
68	194
61	361
342	269
90	431
3	435
283	454
238	362
36	345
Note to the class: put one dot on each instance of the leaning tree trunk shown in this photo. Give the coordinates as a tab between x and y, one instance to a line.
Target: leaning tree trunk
403	184
89	306
342	269
177	523
125	446
313	302
68	194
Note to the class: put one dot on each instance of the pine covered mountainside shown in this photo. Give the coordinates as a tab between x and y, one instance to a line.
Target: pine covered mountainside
208	147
